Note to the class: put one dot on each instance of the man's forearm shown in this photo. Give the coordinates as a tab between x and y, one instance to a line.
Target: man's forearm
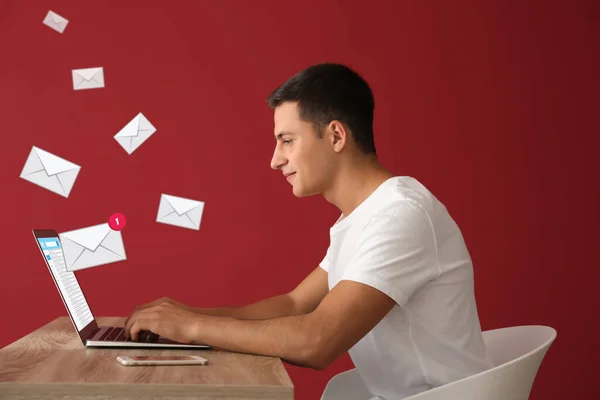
290	338
273	307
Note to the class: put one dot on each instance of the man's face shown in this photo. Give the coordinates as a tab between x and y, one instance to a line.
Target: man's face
301	153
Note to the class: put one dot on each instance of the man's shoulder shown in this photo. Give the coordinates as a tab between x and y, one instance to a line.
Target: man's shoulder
400	201
411	189
405	194
408	205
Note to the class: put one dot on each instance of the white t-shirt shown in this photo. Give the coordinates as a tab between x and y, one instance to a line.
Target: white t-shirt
402	241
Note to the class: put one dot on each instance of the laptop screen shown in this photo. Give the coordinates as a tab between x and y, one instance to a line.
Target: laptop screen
66	282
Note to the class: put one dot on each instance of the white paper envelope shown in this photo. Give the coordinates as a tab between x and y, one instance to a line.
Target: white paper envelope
56	22
136	132
88	78
179	211
92	246
50	172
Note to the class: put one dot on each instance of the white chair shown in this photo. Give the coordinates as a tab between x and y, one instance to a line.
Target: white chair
516	353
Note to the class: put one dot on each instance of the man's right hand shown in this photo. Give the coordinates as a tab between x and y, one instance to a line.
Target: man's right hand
162	300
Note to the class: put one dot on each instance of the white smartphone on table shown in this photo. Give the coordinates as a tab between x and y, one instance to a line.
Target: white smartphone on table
162	360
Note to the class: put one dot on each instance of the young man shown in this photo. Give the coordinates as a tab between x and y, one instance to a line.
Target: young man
395	288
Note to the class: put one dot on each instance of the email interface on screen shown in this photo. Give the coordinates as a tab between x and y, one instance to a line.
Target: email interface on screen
67	283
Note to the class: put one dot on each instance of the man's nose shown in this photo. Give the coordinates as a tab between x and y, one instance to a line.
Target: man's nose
278	160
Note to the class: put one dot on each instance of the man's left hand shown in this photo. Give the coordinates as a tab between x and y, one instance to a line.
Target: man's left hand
165	320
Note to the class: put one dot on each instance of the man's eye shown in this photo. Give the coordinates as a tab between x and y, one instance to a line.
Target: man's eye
287	141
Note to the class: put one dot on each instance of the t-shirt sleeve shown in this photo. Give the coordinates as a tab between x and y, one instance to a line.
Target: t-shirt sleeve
396	252
325	263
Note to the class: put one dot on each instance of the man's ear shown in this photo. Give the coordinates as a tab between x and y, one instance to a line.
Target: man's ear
338	135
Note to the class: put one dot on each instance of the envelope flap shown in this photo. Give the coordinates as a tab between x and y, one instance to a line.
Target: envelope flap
57	18
87	73
131	129
114	243
181	205
145	125
90	237
54	164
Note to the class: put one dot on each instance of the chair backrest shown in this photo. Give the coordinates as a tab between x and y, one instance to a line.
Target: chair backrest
516	353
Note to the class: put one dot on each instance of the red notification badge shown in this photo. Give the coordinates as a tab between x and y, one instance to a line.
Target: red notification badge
117	221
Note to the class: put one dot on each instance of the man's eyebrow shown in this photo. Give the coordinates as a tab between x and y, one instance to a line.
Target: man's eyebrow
283	133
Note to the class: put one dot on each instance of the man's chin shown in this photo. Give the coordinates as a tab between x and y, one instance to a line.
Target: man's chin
302	193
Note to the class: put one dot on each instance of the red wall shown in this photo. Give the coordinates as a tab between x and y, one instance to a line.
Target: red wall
489	105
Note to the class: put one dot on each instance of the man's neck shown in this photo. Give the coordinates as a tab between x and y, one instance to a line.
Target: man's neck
355	184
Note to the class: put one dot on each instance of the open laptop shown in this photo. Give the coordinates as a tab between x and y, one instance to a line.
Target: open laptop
83	320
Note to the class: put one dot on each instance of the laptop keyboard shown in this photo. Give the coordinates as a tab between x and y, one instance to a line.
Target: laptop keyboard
116	334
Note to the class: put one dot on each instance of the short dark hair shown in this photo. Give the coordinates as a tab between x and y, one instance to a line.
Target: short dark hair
327	92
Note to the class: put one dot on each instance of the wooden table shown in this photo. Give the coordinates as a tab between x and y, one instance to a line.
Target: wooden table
52	363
